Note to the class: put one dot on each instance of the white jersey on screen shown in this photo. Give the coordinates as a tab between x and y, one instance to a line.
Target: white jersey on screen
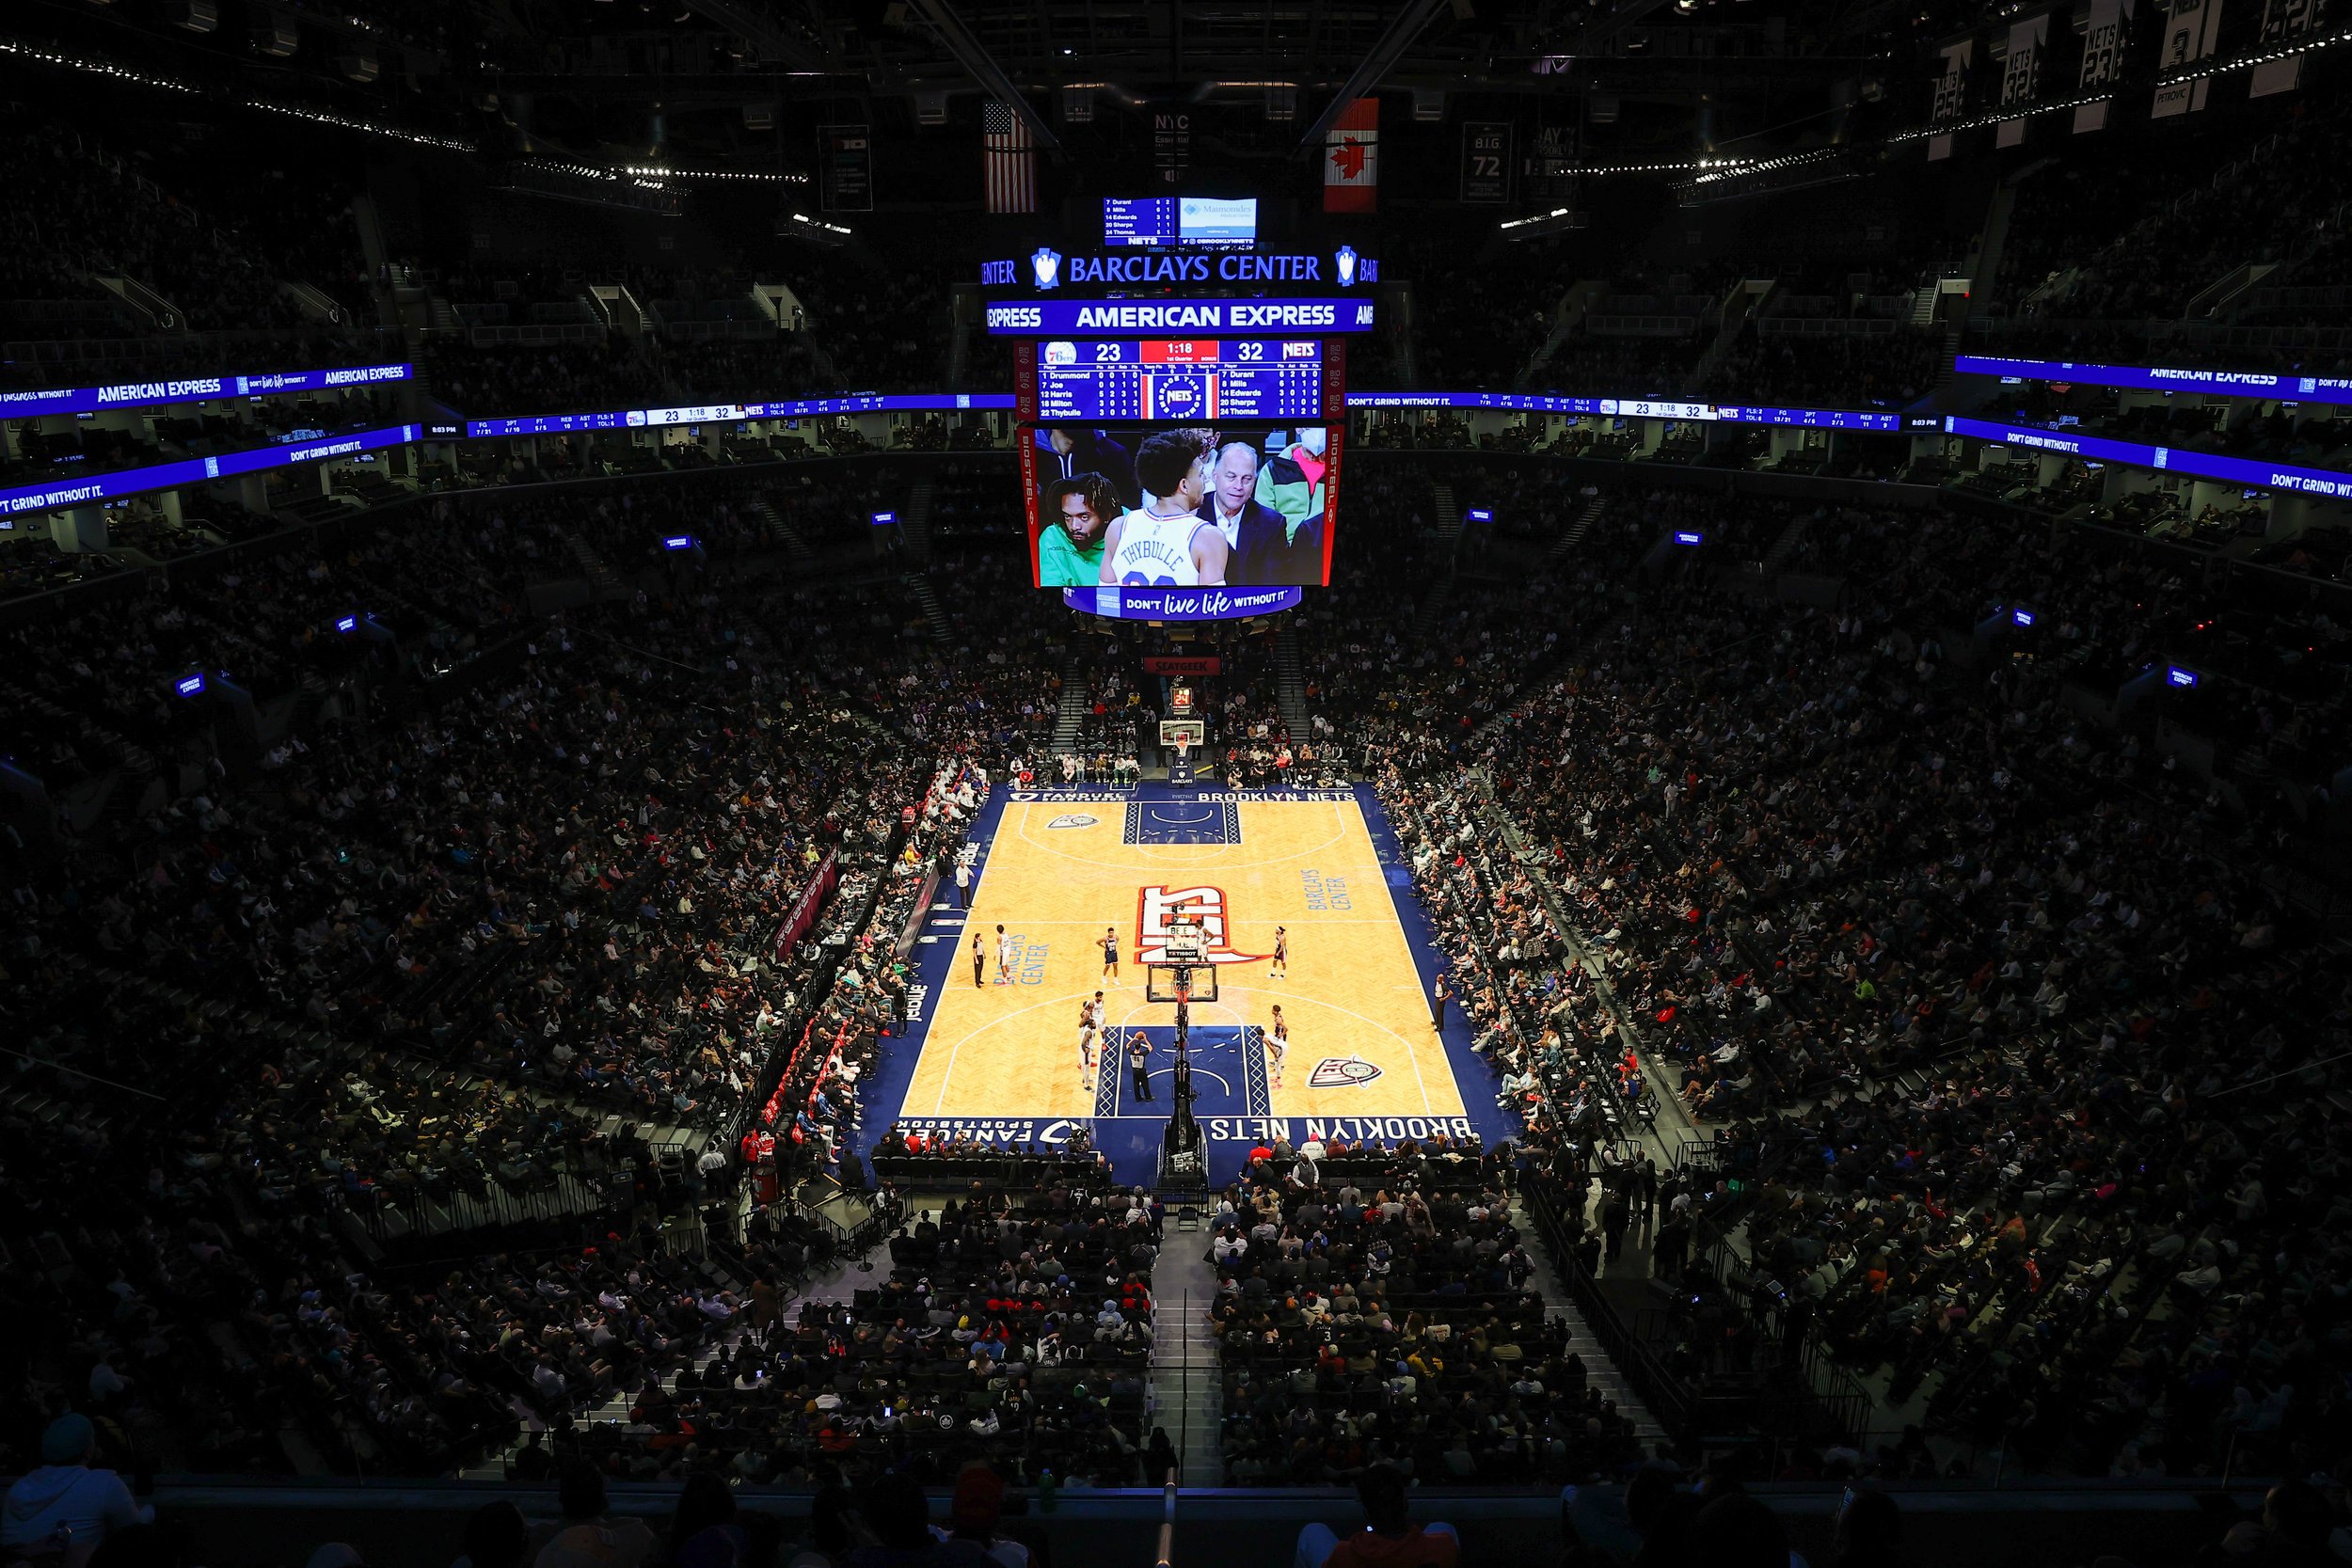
1157	552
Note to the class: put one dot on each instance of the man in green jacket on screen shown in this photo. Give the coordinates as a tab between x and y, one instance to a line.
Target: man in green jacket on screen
1078	511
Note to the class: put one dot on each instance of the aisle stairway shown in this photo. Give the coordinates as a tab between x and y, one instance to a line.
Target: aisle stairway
1443	536
914	519
1600	1371
603	582
1069	711
1574	535
780	528
1290	683
926	600
1784	547
1187	1389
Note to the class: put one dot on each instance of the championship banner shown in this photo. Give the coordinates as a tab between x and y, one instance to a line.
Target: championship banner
2021	74
2104	27
2192	31
2285	21
1351	159
1951	89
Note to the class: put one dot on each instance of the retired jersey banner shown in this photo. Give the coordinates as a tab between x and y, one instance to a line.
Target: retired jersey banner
2104	29
2192	31
2285	21
1351	159
2020	74
1951	91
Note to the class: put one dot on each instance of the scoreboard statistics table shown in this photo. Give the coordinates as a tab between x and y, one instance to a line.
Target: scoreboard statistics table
1178	379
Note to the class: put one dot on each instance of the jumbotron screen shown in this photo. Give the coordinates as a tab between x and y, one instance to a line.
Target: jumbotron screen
1180	506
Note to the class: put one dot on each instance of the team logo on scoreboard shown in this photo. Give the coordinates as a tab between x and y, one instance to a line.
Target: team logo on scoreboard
1045	267
1342	1072
1073	819
1156	911
1345	258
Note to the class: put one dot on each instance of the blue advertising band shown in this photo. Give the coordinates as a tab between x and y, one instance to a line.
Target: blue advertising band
1181	604
2197	465
736	413
197	470
151	394
1129	318
2160	378
1640	408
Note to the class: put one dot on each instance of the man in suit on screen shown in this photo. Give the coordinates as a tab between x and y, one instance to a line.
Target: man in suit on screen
1255	533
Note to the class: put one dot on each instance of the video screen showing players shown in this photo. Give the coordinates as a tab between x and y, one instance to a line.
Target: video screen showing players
1180	506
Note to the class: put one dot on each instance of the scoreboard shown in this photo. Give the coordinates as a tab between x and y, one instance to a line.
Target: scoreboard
1179	379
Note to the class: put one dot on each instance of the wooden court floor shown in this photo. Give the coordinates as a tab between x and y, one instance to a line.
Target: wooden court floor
1057	873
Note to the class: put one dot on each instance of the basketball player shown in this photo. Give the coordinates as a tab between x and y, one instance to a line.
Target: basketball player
1090	1031
1109	944
1277	1043
976	961
1167	544
1004	957
1279	969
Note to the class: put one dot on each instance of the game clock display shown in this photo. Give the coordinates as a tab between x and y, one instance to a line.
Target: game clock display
1206	504
1179	378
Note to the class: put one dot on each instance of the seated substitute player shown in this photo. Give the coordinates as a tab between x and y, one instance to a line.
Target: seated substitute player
1165	543
1077	514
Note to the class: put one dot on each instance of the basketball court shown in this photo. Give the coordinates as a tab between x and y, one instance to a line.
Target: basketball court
1000	1062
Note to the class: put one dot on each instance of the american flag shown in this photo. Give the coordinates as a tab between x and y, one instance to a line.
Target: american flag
1008	159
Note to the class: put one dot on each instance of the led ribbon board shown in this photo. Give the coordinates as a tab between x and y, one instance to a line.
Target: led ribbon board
150	394
2197	465
2158	378
1181	604
1133	318
197	470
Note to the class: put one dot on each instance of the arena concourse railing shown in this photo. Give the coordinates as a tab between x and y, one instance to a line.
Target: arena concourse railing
1947	1524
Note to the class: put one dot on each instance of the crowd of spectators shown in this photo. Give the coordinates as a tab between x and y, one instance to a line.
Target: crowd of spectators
1372	1308
1805	887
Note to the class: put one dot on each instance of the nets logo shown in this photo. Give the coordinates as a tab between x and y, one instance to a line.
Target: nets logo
1340	1072
1074	820
1156	908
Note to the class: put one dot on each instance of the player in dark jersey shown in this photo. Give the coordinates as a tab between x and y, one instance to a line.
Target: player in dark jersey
1109	944
1281	967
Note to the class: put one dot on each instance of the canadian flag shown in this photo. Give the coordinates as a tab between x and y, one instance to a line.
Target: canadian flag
1351	159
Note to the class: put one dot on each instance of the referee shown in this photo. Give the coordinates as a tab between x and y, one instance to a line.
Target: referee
1138	1055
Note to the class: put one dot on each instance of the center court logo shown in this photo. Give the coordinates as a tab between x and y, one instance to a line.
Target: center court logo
1156	908
1073	819
1340	1072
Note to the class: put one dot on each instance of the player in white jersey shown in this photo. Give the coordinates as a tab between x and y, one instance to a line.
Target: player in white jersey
1277	1043
1165	542
1090	1037
1004	957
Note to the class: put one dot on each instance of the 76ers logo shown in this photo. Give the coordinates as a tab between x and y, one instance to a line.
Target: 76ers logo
1157	906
